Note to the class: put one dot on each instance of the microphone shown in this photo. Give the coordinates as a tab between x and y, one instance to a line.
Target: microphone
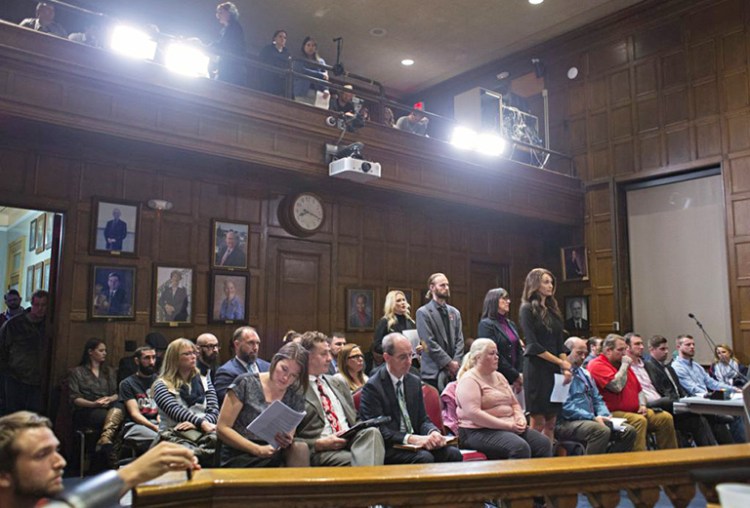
706	337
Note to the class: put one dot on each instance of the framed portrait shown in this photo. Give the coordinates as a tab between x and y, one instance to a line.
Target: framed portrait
172	295
112	292
359	310
48	230
29	283
229	244
577	315
40	224
39	275
574	263
408	293
114	229
45	277
32	235
228	301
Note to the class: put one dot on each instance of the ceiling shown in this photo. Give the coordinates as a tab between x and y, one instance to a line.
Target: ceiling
444	37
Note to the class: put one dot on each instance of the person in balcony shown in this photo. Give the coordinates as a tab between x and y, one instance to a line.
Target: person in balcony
415	122
306	91
230	45
277	55
45	21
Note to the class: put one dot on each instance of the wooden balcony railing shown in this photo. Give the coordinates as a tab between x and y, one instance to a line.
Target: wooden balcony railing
513	483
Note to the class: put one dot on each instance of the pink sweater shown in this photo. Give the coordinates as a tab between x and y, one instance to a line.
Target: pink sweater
487	406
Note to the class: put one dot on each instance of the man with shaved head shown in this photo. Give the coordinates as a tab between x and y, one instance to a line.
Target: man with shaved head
585	417
208	354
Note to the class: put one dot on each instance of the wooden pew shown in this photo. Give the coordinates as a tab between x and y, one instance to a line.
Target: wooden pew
515	482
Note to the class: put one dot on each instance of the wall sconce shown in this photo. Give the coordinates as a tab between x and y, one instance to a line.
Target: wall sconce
160	204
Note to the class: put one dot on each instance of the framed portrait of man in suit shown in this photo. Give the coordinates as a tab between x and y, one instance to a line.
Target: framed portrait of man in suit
577	315
228	300
574	263
172	295
229	245
115	225
112	292
360	305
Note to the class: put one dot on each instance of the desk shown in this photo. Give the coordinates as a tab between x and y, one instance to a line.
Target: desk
732	407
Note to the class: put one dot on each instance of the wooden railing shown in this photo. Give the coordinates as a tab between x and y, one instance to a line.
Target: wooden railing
513	483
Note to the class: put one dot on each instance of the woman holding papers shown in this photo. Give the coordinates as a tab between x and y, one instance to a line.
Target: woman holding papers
187	402
490	419
248	396
546	355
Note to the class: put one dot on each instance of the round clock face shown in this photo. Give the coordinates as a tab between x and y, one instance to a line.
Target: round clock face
307	212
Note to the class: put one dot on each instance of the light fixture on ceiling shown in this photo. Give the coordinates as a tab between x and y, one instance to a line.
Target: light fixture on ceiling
378	32
407	62
503	75
535	2
573	72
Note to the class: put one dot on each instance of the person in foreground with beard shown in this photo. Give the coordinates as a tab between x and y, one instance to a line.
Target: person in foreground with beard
142	424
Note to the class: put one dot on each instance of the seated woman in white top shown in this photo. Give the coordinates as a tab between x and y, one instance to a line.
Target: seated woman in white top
490	419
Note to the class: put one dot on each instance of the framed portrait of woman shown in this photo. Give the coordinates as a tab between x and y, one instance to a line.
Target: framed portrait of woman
112	292
172	295
229	246
229	302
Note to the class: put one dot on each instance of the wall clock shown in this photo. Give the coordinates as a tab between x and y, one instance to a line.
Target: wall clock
302	214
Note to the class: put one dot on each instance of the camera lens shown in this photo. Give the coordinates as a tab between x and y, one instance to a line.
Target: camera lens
366	167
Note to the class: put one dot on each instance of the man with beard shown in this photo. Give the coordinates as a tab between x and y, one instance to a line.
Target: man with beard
439	326
246	343
208	354
31	468
336	341
23	346
624	396
142	424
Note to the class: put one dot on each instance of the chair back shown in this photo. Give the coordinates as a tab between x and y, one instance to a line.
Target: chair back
433	405
357	396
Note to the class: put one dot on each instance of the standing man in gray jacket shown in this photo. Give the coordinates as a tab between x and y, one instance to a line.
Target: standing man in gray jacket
439	327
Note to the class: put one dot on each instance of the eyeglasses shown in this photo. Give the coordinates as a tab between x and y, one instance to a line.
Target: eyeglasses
357	357
211	346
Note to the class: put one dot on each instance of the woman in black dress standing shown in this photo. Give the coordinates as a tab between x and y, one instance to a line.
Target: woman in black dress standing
396	317
496	325
542	326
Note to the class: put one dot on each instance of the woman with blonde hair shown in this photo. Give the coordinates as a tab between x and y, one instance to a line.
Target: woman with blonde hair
726	368
546	354
490	419
188	407
248	396
396	318
351	364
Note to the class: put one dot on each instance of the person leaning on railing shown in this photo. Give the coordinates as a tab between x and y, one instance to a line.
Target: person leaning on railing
305	90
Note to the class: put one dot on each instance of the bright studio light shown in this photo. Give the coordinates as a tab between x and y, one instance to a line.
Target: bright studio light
132	43
187	60
464	138
535	2
490	144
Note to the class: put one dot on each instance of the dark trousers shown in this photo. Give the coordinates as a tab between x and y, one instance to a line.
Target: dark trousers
503	444
22	397
697	426
445	454
90	418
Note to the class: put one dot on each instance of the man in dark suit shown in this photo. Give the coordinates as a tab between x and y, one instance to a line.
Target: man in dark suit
667	384
115	231
231	254
116	297
246	344
173	299
330	411
576	324
439	326
393	391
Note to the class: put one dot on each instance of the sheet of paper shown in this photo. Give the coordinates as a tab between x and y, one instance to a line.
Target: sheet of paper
560	391
617	423
413	337
278	417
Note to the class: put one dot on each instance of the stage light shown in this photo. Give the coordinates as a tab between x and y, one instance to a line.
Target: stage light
464	138
132	43
187	60
490	144
407	62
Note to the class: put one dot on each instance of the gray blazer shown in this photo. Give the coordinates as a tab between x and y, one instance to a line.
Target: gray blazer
441	348
312	425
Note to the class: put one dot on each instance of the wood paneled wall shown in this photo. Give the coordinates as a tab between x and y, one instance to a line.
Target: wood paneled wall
663	88
372	238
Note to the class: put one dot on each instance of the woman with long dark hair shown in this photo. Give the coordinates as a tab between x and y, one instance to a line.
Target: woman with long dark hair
305	90
93	393
546	354
496	325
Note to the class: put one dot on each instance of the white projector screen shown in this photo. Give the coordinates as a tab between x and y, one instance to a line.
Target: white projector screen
678	261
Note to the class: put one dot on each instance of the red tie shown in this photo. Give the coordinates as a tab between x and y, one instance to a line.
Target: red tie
328	408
